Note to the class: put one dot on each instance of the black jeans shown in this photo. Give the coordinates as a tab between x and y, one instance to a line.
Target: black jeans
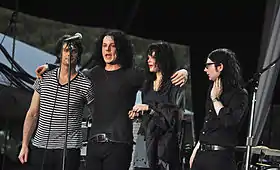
108	156
214	160
53	159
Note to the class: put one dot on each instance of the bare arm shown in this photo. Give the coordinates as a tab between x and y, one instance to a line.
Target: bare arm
194	153
31	119
196	148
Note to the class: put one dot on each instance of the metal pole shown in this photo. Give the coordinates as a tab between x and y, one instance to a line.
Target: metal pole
249	141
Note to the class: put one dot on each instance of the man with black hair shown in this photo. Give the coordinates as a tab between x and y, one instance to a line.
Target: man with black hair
226	106
49	104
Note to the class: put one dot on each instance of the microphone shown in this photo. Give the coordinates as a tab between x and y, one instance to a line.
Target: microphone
77	36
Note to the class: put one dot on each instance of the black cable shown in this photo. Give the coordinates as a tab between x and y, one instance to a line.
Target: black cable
11	76
4	35
12	79
22	74
50	125
18	75
12	20
7	76
14	63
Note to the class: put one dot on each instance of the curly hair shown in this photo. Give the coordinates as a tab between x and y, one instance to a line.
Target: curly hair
165	61
231	74
124	49
59	45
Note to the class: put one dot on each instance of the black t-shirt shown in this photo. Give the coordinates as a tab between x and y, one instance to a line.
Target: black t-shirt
115	94
151	96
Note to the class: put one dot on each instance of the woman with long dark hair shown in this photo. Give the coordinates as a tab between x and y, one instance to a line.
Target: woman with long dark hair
160	111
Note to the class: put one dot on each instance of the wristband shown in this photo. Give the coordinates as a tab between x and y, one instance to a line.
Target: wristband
215	100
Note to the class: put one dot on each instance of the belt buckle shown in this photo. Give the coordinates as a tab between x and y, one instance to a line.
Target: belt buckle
215	148
203	147
102	138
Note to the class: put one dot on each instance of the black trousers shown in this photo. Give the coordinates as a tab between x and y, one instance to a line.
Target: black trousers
108	156
52	159
214	160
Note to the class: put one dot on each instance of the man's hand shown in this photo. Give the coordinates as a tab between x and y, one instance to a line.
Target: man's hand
132	114
140	107
217	89
23	155
180	77
40	70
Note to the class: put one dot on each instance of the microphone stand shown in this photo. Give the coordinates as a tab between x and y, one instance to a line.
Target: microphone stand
255	81
69	45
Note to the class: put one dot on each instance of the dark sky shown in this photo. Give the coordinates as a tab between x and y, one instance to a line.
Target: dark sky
203	25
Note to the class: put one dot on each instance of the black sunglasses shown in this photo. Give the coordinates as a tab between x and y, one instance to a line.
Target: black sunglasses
208	64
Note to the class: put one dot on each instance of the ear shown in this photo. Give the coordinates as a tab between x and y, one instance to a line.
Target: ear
220	67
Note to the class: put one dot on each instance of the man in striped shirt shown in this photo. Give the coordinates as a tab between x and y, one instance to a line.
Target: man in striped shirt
49	104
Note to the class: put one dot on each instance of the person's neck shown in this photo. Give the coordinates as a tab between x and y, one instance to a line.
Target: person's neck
112	67
64	71
157	81
158	76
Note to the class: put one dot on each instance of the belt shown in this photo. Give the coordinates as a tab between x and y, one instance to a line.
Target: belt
207	147
100	138
103	138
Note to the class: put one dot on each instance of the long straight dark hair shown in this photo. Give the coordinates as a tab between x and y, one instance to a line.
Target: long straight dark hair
231	74
165	61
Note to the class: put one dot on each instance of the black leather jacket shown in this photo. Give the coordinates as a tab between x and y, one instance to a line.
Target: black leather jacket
161	127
